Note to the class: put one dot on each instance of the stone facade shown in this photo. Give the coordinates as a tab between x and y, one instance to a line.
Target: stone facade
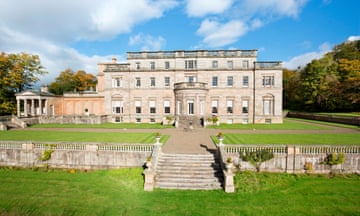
152	86
229	84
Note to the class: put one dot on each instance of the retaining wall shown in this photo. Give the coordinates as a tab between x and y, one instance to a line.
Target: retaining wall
292	159
74	155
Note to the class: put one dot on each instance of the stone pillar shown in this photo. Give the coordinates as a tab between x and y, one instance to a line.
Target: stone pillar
25	108
92	148
293	153
18	112
40	106
32	107
229	182
149	180
46	107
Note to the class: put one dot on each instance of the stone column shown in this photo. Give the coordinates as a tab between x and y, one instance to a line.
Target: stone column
32	107
25	108
40	106
46	107
18	107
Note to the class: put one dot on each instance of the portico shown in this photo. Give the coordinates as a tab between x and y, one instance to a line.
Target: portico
34	103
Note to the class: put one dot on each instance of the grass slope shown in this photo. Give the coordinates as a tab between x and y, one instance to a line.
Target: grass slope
120	192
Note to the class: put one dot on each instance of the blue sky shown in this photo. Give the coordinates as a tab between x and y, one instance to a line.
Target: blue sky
79	34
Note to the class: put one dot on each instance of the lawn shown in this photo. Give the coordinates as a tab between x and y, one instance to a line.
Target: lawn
288	124
76	136
105	125
291	139
120	192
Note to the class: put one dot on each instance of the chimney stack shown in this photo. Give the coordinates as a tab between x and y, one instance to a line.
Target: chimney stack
113	60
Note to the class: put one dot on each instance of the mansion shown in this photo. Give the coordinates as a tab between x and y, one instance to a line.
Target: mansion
153	87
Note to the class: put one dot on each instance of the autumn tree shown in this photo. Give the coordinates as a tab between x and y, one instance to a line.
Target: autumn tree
331	83
69	81
18	72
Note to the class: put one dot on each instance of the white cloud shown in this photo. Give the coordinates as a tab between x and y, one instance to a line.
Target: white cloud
48	28
147	42
238	17
353	38
218	34
271	8
199	8
302	60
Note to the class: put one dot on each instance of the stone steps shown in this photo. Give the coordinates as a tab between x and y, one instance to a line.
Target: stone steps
188	172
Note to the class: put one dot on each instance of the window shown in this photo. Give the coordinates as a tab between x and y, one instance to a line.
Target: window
268	81
167	81
138	106
245	64
245	107
190	79
138	120
190	64
230	80
245	81
152	81
118	119
267	107
229	107
214	64
230	64
167	107
152	65
152	120
214	81
117	107
116	82
214	106
137	65
152	106
167	65
137	82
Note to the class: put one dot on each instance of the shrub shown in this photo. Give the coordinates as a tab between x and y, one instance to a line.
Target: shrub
256	158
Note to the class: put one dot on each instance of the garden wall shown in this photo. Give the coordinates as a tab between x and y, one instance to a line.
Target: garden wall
292	159
73	155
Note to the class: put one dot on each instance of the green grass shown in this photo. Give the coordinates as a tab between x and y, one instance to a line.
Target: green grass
76	136
105	125
287	125
288	139
120	192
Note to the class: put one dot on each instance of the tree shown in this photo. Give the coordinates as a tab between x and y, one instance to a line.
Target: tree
18	72
256	158
331	83
69	81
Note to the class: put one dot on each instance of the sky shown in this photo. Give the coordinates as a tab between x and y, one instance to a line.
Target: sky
79	34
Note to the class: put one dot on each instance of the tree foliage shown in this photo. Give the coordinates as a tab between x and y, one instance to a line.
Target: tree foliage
331	83
69	81
18	72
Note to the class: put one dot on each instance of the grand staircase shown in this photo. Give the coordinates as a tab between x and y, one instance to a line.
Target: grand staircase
190	121
188	172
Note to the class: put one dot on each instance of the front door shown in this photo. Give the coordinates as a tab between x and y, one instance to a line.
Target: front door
190	105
